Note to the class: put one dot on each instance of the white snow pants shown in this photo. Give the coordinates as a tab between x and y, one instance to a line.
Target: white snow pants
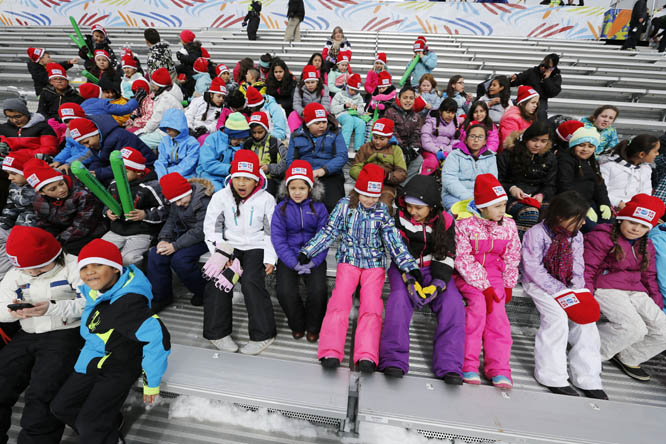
636	328
550	346
131	247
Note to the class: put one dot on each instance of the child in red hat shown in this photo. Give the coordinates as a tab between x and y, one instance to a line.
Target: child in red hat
165	96
64	207
130	66
311	88
257	101
348	107
553	265
204	112
105	67
337	77
40	356
96	40
301	194
272	152
39	58
384	94
237	231
57	92
487	258
124	340
518	118
380	151
407	128
426	64
372	79
621	271
187	55
181	240
202	80
366	229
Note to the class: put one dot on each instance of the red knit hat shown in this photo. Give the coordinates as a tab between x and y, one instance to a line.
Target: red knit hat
15	160
69	110
643	209
36	54
300	169
99	251
82	128
314	112
54	70
219	69
310	73
488	191
90	91
140	84
370	180
354	82
133	159
421	38
566	129
383	127
525	93
205	54
254	97
129	62
259	118
102	53
343	56
217	86
579	305
200	65
187	36
31	247
419	45
245	164
175	187
98	27
384	79
161	77
39	174
381	58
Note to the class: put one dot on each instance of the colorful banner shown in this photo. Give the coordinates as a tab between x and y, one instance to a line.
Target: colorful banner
616	24
496	19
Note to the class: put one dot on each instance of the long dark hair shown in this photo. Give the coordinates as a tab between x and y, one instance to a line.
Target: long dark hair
312	57
449	105
452	81
272	85
505	94
444	241
245	64
643	143
619	252
208	98
567	205
520	155
592	161
470	116
522	106
320	86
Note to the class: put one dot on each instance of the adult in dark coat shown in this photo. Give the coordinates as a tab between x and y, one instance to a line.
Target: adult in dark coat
639	15
546	80
295	15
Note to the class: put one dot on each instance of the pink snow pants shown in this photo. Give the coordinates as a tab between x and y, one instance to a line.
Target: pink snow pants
333	333
294	121
430	162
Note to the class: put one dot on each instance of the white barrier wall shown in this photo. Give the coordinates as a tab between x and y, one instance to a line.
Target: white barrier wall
409	17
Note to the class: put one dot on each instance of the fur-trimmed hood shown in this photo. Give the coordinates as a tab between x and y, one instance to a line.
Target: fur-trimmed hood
206	184
316	194
512	138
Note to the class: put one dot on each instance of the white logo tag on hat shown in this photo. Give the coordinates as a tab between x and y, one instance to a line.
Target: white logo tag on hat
644	213
374	187
499	191
312	75
125	153
67	112
379	126
56	71
298	170
13	260
255	118
385	82
74	132
33	180
8	161
568	301
245	166
320	113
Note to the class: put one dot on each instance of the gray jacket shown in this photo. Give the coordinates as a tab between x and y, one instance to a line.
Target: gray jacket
302	97
184	226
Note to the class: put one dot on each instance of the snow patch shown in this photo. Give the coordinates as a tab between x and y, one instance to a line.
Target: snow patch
370	433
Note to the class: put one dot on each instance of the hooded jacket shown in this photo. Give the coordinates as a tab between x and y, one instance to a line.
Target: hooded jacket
624	179
18	209
407	126
302	97
202	82
328	151
50	100
169	98
536	242
539	177
444	141
184	226
40	77
96	105
602	270
294	224
121	331
426	65
179	154
114	137
215	158
512	121
36	136
202	113
460	170
278	119
246	226
580	176
147	196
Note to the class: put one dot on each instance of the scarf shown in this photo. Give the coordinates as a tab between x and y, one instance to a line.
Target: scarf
558	260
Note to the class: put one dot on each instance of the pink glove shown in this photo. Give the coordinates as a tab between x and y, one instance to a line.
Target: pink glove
214	265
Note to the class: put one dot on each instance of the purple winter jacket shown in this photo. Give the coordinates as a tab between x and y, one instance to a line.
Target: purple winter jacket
603	271
445	139
536	242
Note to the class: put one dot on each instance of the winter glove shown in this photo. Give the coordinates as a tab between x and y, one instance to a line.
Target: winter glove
199	131
139	95
592	215
416	274
303	258
605	212
304	268
490	295
440	156
226	280
410	282
4	149
508	294
215	265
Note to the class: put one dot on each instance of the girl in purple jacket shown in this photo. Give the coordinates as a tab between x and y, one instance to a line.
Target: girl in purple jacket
552	264
438	135
620	268
295	221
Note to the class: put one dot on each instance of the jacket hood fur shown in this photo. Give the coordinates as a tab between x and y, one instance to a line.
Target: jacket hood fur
317	193
512	138
207	185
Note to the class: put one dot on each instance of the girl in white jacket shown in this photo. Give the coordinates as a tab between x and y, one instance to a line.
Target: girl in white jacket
204	111
348	107
627	171
238	235
165	96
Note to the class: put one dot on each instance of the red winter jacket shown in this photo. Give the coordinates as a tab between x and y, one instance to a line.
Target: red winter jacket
37	136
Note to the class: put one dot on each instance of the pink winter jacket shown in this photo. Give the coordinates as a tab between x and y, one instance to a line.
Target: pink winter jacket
492	141
511	121
474	235
602	270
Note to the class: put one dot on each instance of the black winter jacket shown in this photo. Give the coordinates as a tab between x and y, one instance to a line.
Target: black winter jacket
547	88
296	9
184	226
540	177
105	45
40	77
50	100
580	176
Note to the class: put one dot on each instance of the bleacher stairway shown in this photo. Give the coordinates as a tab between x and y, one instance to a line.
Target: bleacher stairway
287	378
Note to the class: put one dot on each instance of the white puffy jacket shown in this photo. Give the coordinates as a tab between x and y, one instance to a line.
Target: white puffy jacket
172	98
623	179
195	111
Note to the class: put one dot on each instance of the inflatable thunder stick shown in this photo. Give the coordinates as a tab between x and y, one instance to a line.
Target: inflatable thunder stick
85	73
78	39
120	174
96	188
410	68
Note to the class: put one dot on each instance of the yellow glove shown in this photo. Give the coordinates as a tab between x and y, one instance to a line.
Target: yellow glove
424	293
605	212
592	215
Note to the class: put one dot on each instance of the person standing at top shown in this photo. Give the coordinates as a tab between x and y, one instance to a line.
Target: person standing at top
546	80
427	61
639	15
336	44
295	15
